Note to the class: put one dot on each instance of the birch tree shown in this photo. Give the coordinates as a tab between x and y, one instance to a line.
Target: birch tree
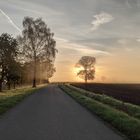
37	42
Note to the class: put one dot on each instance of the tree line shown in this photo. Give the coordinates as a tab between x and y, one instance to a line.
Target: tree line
28	58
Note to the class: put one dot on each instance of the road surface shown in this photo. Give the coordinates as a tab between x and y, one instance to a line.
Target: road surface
51	114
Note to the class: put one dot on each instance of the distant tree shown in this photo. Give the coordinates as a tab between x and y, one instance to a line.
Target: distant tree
86	64
8	53
103	78
37	42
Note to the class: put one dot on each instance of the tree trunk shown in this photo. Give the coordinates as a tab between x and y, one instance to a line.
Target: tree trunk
47	81
34	82
9	85
86	79
1	80
0	85
34	74
14	84
85	76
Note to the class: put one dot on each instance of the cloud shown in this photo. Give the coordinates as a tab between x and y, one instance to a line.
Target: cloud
122	41
138	39
87	51
62	40
101	19
132	4
10	20
81	49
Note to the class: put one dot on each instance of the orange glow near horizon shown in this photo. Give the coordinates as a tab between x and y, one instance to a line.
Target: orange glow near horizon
121	65
75	70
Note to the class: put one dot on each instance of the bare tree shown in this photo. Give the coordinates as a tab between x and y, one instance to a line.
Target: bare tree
86	64
37	42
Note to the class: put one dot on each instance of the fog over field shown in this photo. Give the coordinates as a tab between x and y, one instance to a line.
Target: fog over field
106	29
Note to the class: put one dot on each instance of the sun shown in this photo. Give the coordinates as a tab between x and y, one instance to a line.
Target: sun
77	69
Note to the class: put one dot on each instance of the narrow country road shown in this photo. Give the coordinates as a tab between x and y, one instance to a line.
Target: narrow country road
51	114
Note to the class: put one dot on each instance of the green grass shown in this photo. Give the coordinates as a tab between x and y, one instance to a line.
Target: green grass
130	109
120	120
10	98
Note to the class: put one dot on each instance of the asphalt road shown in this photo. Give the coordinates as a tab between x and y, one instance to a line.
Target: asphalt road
51	114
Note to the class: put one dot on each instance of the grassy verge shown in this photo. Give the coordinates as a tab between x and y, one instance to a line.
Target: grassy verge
130	109
121	121
8	99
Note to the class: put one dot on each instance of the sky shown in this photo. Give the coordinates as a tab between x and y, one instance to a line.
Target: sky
106	29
